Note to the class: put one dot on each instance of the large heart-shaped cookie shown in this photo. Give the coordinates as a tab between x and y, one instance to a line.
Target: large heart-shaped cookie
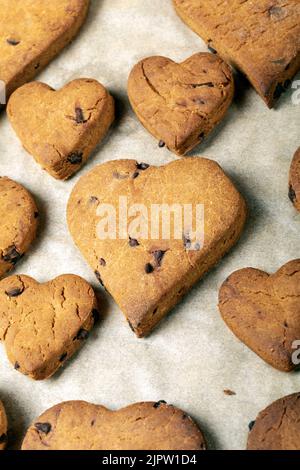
294	183
18	223
32	33
148	273
3	427
263	311
261	38
42	325
277	427
181	103
61	128
78	425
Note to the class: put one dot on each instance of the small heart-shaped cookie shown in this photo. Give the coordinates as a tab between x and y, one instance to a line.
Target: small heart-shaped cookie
294	184
263	311
262	38
42	325
32	33
3	427
180	104
278	426
18	223
148	270
77	425
61	128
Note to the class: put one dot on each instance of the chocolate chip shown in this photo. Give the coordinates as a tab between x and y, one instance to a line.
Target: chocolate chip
251	424
94	199
276	11
202	135
45	428
133	242
75	158
82	335
13	42
292	194
12	255
3	438
63	357
17	366
158	256
93	422
36	214
198	100
79	116
37	66
149	268
159	403
15	292
142	166
278	91
95	315
161	144
102	262
98	276
135	175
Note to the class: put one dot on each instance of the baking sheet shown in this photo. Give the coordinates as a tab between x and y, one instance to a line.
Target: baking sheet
192	356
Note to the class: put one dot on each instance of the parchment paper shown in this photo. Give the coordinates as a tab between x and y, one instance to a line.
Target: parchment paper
192	356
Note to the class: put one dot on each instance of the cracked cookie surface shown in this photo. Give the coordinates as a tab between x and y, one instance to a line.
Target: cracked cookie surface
148	273
18	223
32	33
277	427
263	311
79	425
262	39
61	128
42	325
3	427
294	183
180	104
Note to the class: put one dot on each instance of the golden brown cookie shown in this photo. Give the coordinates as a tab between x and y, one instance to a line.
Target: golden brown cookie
148	273
294	183
260	38
18	223
3	427
61	128
32	33
180	104
278	426
42	325
263	311
77	425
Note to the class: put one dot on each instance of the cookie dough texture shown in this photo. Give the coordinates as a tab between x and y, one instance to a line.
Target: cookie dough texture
263	311
78	425
147	275
180	104
261	38
294	183
61	128
3	427
278	426
18	223
42	325
32	33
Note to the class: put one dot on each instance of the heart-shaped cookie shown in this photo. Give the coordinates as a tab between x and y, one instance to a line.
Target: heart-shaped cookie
61	128
18	223
3	427
78	425
148	272
42	325
277	427
263	311
181	103
32	33
262	38
294	184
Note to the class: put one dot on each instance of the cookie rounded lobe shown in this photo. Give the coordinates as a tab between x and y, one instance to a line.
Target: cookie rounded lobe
79	425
